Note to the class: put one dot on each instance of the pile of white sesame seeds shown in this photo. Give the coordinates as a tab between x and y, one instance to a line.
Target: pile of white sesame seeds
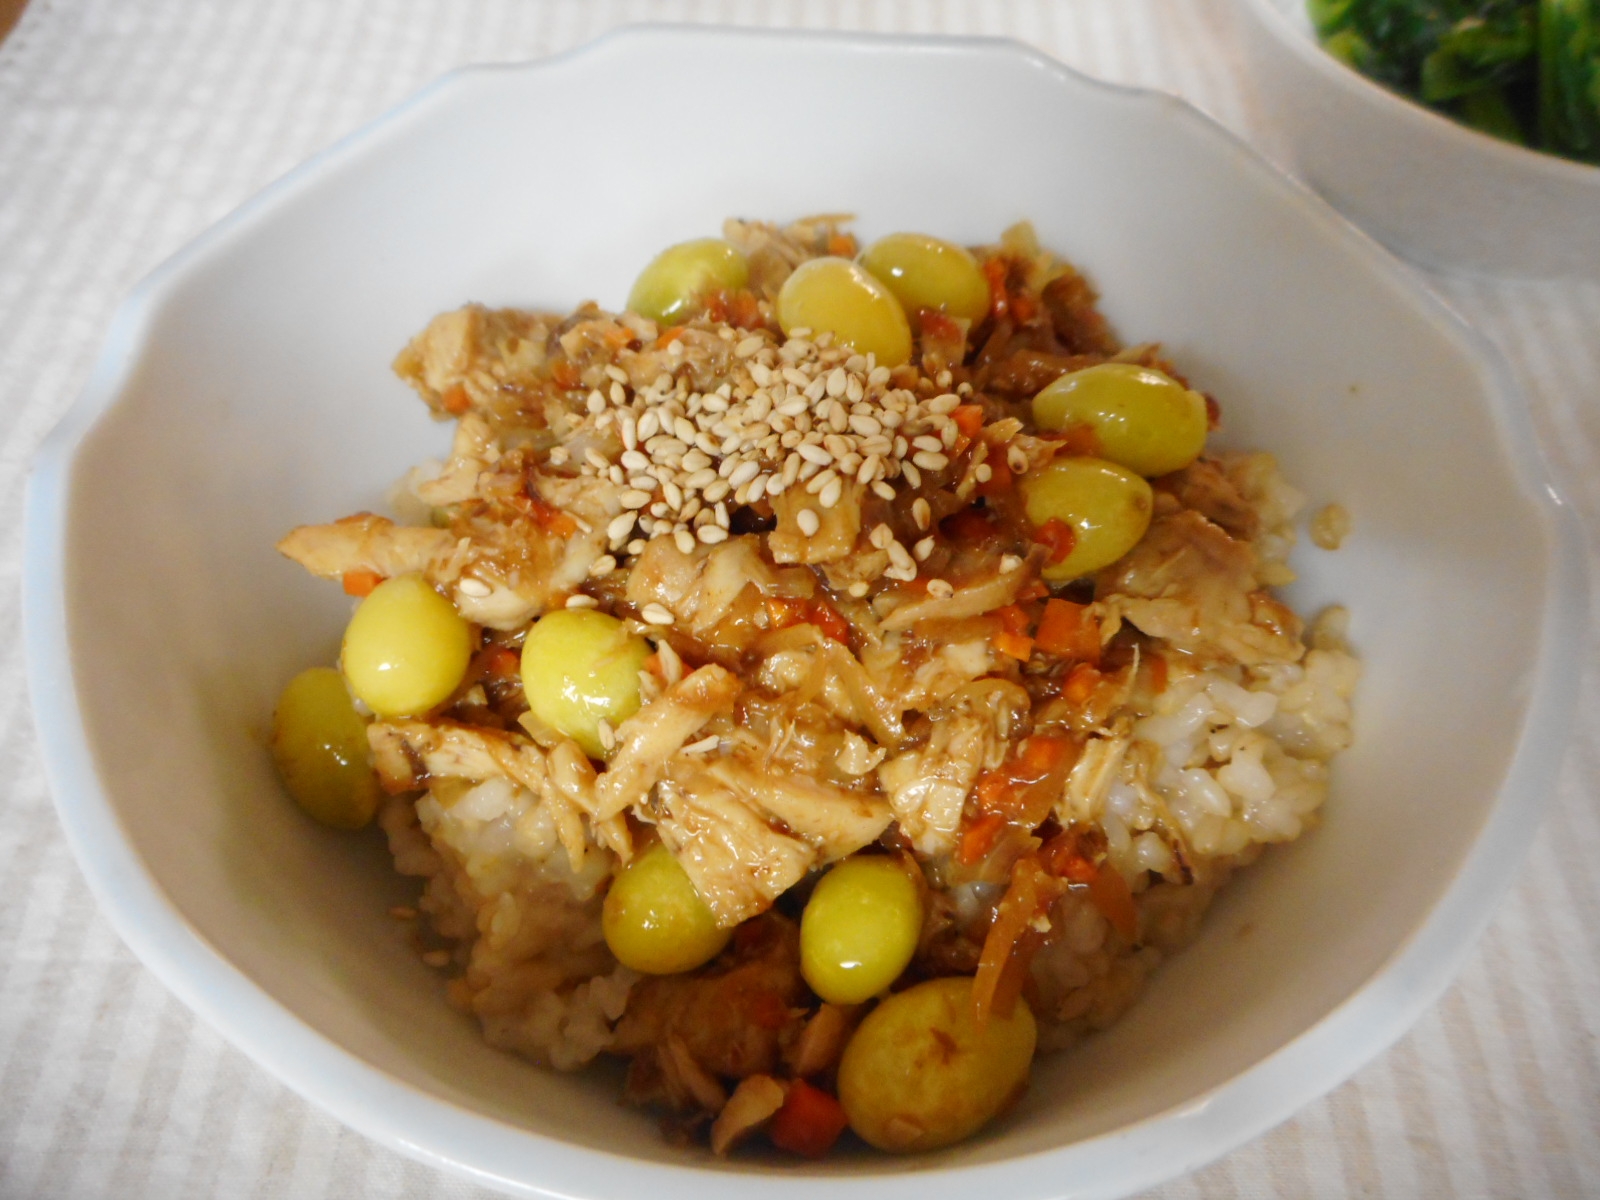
800	414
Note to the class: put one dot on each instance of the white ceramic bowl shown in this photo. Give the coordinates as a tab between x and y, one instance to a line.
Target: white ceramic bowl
244	388
1439	193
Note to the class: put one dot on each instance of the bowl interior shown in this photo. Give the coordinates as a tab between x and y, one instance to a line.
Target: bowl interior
259	397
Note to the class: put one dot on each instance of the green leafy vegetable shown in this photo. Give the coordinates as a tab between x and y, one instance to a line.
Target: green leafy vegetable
1524	70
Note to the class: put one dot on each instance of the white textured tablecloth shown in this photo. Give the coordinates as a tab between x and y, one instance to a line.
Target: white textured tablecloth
126	126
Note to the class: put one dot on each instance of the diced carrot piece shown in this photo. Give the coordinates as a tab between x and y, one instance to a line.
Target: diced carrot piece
1015	645
1158	673
843	245
1068	630
1041	754
1023	306
993	790
1013	618
1080	441
670	336
456	401
1057	537
1000	479
979	838
827	618
784	611
361	582
968	418
503	661
809	1123
565	374
552	520
1081	683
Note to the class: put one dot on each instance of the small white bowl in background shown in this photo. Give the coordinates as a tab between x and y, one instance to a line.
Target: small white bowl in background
244	389
1436	192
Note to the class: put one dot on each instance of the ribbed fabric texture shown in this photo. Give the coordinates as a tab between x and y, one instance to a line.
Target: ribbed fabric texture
126	126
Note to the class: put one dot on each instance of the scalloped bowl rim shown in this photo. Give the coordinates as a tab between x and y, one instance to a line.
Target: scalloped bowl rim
493	1153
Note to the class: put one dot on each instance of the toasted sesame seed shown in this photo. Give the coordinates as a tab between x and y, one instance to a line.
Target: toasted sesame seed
853	389
603	565
633	460
608	735
816	454
902	574
634	498
616	476
898	555
983	472
656	614
685	540
808	521
712	533
1016	459
1009	563
579	600
597	460
832	494
621	525
945	403
596	403
922	549
672	494
921	513
704	746
618	396
858	589
912	475
615	372
471	585
941	589
878	376
721	514
838	380
821	481
649	426
930	461
880	537
749	346
928	442
744	473
882	490
716	490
